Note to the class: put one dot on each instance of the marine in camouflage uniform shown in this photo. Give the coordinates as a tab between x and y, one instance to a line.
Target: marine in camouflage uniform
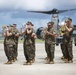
9	46
50	42
29	44
68	41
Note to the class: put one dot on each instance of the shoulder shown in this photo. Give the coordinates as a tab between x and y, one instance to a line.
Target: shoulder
53	29
71	26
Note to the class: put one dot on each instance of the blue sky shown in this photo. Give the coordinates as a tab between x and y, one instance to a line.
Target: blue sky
15	11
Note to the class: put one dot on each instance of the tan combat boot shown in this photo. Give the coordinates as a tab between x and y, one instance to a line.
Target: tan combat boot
8	62
28	63
66	61
48	61
70	61
52	62
62	57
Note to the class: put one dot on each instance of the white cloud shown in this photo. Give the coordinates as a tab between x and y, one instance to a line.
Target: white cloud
24	4
36	4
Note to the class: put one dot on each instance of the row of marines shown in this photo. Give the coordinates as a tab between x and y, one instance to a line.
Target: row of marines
48	34
11	36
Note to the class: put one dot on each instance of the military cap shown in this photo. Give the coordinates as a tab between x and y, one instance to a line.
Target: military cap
14	24
10	25
68	19
28	23
50	23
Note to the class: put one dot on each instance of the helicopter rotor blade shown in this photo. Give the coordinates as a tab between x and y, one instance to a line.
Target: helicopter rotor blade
71	9
44	12
61	11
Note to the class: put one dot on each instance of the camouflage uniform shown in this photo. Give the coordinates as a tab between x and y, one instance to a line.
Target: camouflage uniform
10	47
28	46
68	44
50	44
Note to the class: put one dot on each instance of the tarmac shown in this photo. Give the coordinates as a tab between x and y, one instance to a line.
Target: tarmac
39	67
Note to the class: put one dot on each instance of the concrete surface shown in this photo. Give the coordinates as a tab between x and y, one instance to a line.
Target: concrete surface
39	67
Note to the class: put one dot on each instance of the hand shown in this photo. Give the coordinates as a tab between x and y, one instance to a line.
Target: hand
65	24
16	35
33	34
28	31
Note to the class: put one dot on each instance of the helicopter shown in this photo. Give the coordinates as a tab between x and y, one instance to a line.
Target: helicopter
55	18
